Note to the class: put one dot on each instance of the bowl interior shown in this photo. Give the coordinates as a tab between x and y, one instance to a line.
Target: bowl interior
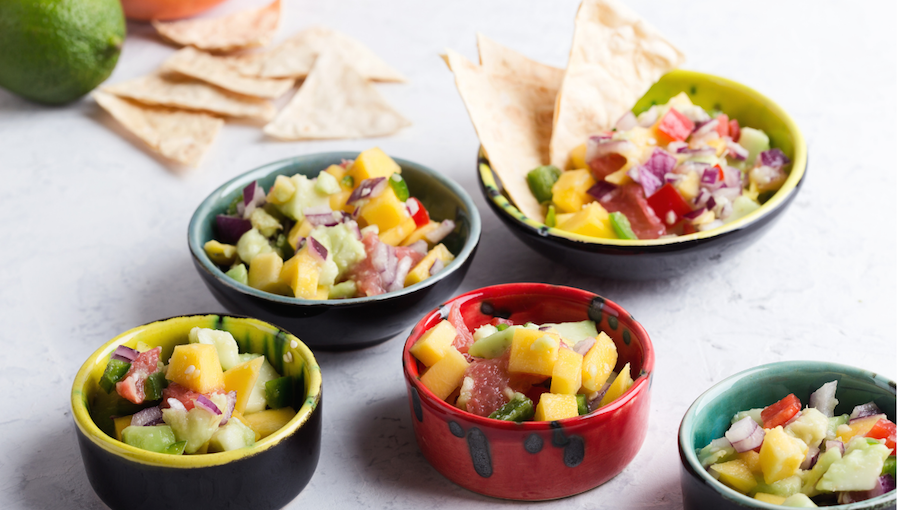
710	415
710	92
443	198
287	354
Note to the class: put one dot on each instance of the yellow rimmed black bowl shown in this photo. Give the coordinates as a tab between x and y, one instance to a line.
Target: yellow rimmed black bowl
670	257
267	475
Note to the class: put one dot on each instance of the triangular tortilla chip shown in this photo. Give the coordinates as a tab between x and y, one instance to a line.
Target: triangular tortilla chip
616	56
512	118
294	58
244	29
183	92
500	60
220	72
335	102
179	135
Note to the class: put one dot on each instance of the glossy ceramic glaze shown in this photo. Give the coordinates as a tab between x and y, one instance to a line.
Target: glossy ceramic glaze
146	10
710	416
268	475
534	460
666	258
342	323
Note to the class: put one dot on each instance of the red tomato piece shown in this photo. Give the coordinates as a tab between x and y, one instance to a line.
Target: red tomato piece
463	337
668	199
629	200
179	393
722	126
887	430
131	387
675	125
496	321
780	412
734	130
421	216
606	164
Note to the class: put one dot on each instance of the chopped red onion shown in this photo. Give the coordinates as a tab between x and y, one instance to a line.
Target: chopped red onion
864	410
147	417
773	158
254	196
436	267
649	181
695	213
673	178
702	151
355	213
598	147
174	403
705	127
660	162
412	206
249	192
231	228
648	118
207	404
885	484
676	146
318	248
601	189
732	177
703	198
736	151
440	232
710	175
403	267
230	401
837	443
626	122
727	193
823	399
745	434
584	346
369	188
420	247
595	403
328	219
544	328
126	354
812	455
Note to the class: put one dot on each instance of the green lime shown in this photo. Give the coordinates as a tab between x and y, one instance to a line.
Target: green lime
55	51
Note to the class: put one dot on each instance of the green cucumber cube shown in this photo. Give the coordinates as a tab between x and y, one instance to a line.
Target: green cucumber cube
157	438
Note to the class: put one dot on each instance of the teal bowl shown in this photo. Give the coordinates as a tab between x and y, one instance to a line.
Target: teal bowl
710	416
342	324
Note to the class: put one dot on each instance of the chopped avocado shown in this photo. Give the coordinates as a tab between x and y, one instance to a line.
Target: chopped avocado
812	477
493	345
574	332
225	344
717	451
157	438
755	141
541	181
238	273
264	222
305	196
326	184
742	206
344	249
810	426
858	469
231	436
251	244
834	423
520	408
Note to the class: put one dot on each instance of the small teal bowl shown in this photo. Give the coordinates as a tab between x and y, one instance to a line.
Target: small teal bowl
710	416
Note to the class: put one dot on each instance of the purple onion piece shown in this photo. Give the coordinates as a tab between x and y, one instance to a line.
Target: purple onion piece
123	353
648	118
595	404
436	267
864	410
440	232
702	151
420	247
207	404
649	180
837	443
709	176
601	189
230	228
885	484
316	210
403	267
773	158
249	193
676	146
660	163
812	455
147	417
231	400
695	213
544	328
823	399
369	188
326	219
254	197
584	346
626	122
745	434
736	151
703	128
317	248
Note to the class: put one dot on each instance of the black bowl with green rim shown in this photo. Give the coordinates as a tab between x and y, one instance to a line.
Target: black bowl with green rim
267	475
342	324
670	257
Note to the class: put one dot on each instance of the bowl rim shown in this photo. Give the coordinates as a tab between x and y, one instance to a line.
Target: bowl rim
639	333
685	429
488	183
92	432
238	182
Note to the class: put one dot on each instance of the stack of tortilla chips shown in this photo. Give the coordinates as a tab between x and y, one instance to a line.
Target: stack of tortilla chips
178	109
527	114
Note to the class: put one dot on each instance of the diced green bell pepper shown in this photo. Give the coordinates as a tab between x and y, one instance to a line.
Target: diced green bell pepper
399	186
280	392
154	385
520	408
621	226
115	370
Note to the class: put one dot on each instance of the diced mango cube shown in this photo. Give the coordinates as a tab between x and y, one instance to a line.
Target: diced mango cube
769	498
554	407
570	190
735	474
423	268
592	221
431	346
446	374
265	273
301	274
599	362
266	423
241	379
385	210
567	373
322	292
419	233
300	230
372	163
120	423
338	201
281	191
689	186
751	459
221	254
620	177
338	172
857	428
533	352
780	455
196	367
394	235
619	386
577	157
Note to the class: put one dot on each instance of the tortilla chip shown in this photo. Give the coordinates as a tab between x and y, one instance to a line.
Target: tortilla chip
183	92
245	29
179	135
500	60
335	101
220	72
616	56
512	117
294	58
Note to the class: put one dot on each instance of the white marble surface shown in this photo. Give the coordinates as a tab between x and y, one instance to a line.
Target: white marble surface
92	237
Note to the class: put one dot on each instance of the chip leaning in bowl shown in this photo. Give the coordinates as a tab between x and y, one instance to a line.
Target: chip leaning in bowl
208	397
521	372
675	169
353	231
786	456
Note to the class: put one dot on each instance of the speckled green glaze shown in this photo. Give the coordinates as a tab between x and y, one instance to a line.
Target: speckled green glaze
710	416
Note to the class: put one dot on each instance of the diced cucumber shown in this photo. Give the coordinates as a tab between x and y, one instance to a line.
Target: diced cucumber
305	196
719	450
799	501
784	487
231	436
157	438
154	386
280	392
621	226
251	244
196	426
810	426
858	469
347	181
115	371
574	332
520	408
493	345
756	414
176	448
583	408
238	273
342	290
541	181
225	344
326	184
344	249
232	207
328	270
283	247
812	477
742	206
755	141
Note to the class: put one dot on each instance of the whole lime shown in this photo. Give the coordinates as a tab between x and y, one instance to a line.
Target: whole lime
55	51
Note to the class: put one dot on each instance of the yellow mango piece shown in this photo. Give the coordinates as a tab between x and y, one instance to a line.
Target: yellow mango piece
780	455
592	221
120	423
196	367
241	379
338	201
619	386
769	498
423	268
577	157
533	352
570	190
857	428
240	417
322	292
446	374
281	191
338	172
301	274
689	187
221	254
266	423
385	210
419	233
265	273
393	236
567	373
599	362
554	407
620	177
300	230
751	459
736	475
718	144
372	163
431	346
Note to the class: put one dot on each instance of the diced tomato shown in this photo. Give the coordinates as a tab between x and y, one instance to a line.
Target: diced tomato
668	199
606	164
722	126
421	216
131	387
675	125
463	336
179	393
887	430
491	377
780	412
734	130
629	200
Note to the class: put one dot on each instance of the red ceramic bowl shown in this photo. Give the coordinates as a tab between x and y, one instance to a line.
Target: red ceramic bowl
534	461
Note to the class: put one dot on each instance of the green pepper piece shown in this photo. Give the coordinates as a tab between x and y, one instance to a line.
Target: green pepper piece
115	370
238	273
550	221
154	385
175	448
621	226
541	181
347	181
520	408
280	392
501	327
583	408
399	186
890	466
232	207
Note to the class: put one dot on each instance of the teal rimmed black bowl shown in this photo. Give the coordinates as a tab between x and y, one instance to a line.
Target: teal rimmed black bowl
710	416
267	475
671	257
340	324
